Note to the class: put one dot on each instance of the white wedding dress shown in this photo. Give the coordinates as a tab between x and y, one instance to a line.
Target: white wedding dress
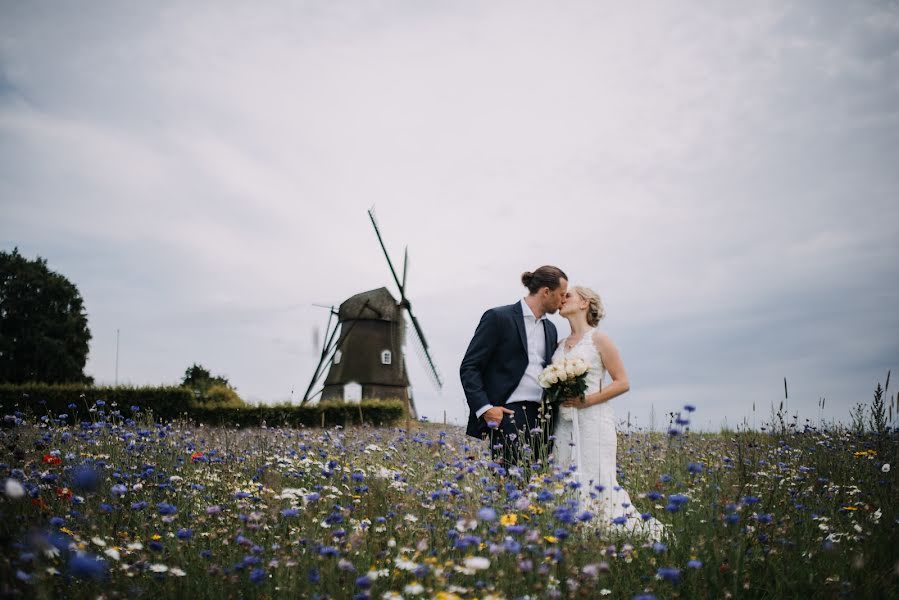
586	440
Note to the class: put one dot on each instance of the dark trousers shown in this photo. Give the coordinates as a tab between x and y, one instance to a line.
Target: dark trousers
522	439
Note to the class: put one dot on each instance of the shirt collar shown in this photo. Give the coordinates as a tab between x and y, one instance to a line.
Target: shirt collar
527	312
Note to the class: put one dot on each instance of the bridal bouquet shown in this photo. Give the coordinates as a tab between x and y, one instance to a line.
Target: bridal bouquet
563	379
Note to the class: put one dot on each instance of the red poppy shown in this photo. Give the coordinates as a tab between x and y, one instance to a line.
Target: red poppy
39	502
196	456
49	459
64	492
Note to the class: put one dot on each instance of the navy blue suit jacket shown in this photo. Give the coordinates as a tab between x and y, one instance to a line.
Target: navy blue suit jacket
496	360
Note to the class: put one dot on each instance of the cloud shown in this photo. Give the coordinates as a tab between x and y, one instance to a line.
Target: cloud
721	174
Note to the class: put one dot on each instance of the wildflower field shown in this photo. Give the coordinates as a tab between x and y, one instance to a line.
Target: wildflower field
120	506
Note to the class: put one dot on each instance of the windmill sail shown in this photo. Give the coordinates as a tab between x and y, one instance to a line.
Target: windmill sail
404	302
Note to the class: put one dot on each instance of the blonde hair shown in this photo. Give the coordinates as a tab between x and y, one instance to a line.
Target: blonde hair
595	310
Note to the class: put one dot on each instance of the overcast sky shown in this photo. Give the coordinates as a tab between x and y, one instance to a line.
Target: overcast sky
724	174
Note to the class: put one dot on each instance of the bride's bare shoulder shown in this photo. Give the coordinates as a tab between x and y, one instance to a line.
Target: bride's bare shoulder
601	338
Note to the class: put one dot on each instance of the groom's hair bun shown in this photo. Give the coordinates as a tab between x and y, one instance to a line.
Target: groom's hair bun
595	309
545	276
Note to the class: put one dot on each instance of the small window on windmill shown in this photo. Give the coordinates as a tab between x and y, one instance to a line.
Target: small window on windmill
337	356
386	357
352	392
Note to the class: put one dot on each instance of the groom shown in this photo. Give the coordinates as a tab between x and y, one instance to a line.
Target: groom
511	346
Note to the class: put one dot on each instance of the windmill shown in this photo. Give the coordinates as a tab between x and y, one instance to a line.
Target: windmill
362	354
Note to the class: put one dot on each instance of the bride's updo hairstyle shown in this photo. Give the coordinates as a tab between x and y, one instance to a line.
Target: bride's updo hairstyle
595	310
545	276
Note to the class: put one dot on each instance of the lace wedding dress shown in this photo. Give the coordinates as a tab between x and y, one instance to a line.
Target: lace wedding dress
586	441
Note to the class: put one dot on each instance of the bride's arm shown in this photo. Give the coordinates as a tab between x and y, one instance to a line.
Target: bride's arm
615	367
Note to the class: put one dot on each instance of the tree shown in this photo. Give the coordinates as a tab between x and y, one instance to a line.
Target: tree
210	389
200	379
43	326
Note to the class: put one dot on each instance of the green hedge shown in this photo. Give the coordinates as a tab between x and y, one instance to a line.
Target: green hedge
371	412
168	403
41	399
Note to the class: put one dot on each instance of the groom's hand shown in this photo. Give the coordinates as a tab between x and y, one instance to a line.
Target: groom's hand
495	415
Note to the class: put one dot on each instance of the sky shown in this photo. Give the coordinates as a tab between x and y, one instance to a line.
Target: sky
723	174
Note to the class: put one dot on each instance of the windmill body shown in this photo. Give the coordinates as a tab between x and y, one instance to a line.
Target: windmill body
366	359
370	350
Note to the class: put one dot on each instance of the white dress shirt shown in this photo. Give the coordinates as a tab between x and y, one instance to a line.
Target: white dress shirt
528	389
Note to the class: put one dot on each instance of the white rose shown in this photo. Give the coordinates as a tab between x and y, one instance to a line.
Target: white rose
553	377
581	367
569	369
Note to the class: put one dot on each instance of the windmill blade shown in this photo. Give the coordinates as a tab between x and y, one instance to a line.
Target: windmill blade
319	371
330	349
406	266
420	336
371	215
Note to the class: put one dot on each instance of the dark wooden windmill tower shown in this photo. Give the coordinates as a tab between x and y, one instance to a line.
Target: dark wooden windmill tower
363	350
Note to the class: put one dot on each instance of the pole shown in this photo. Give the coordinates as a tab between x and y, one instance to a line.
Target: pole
116	358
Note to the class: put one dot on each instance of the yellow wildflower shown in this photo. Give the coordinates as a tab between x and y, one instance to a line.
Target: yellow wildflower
550	539
509	519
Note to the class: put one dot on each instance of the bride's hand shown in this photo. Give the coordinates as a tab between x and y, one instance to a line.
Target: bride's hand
578	402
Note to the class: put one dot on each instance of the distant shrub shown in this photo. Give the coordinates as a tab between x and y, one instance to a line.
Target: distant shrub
220	396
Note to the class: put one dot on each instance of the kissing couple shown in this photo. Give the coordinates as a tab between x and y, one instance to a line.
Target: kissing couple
500	376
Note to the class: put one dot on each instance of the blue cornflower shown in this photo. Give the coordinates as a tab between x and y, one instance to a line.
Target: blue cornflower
85	479
290	512
659	547
364	582
689	407
313	497
487	514
87	566
694	564
165	508
139	505
669	574
750	499
119	490
619	520
678	499
185	534
258	575
732	518
765	518
694	467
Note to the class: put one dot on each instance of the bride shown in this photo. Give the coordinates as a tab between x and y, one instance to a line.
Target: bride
585	436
